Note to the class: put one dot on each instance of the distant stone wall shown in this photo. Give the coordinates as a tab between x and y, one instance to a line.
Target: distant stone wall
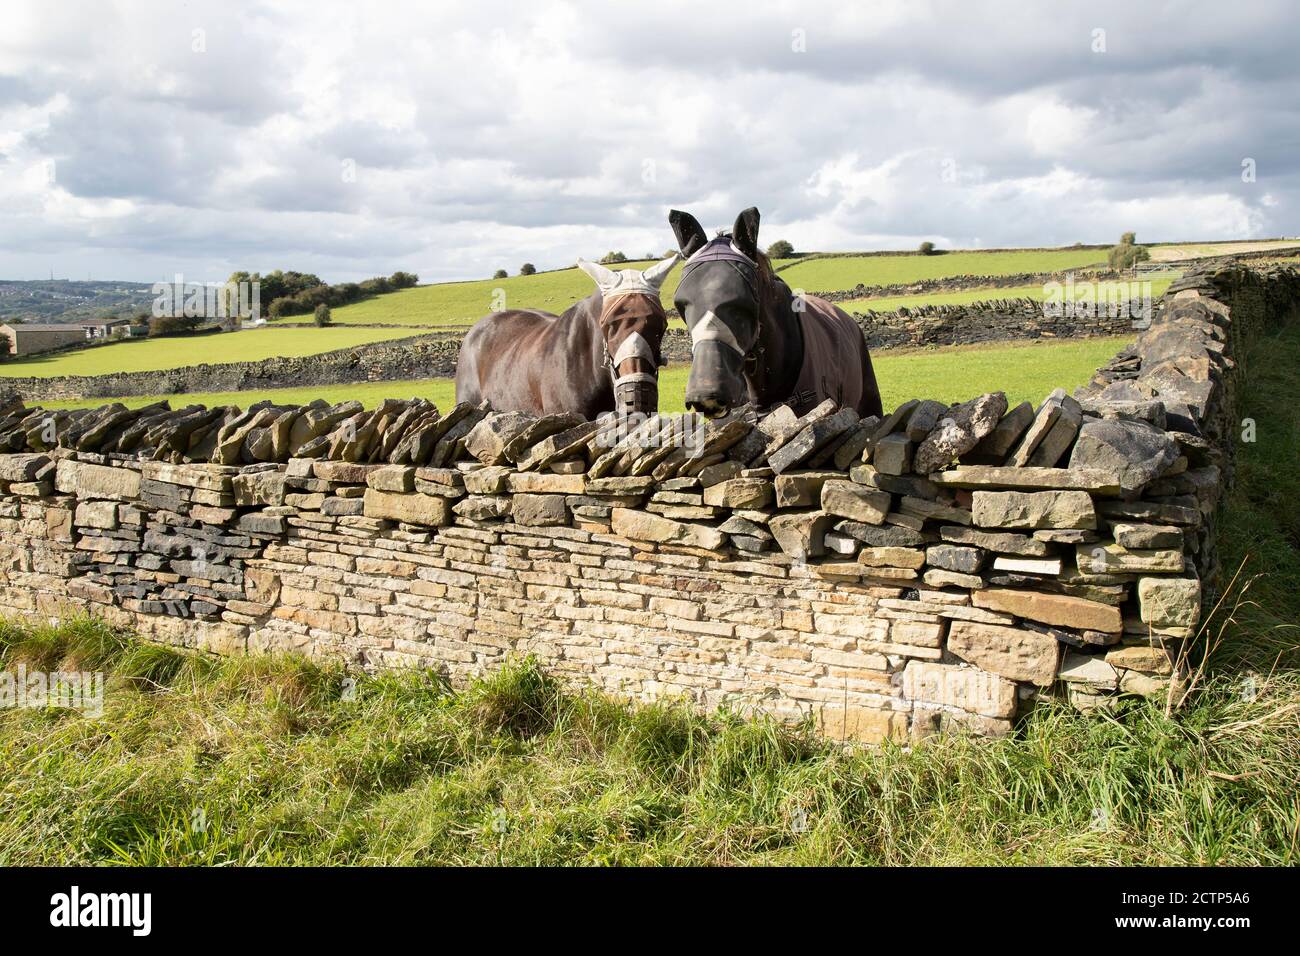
944	566
427	355
994	320
963	282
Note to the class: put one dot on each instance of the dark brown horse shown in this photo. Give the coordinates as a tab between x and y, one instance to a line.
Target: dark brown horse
601	355
753	340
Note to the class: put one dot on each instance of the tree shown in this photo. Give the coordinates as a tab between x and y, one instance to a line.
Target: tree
322	315
609	257
173	324
403	280
926	248
780	250
500	274
1127	252
527	269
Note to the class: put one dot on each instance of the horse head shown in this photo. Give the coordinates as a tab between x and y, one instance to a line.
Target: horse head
632	322
719	297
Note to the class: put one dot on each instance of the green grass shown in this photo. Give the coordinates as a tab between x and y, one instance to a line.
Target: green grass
153	355
1026	371
267	761
845	272
1261	530
1099	291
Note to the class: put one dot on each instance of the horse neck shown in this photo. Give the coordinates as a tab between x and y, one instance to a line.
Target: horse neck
579	326
780	344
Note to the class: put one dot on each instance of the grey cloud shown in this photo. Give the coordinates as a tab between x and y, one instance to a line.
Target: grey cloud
484	137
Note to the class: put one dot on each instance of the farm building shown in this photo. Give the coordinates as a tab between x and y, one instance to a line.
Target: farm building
29	338
105	328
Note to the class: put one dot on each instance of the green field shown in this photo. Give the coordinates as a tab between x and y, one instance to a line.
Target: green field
265	760
454	304
967	296
1026	371
846	272
154	355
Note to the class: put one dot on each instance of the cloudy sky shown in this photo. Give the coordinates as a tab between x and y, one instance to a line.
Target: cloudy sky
139	140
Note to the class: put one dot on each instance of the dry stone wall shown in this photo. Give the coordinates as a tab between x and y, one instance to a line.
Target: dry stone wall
962	282
886	578
995	320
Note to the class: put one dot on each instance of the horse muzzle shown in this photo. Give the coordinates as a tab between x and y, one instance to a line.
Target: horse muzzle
716	383
637	394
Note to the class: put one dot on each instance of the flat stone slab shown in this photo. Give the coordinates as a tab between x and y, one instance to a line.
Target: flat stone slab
1098	481
1033	510
1059	609
1011	652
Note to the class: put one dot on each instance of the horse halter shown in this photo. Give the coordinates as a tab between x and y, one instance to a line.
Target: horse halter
634	346
635	390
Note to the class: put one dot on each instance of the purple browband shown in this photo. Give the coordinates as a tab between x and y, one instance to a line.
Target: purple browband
719	248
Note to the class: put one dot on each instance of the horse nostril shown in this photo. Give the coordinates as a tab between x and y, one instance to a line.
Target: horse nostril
709	407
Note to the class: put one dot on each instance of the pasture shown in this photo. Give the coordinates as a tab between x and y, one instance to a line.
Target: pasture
838	273
1026	371
457	304
1201	250
153	355
279	766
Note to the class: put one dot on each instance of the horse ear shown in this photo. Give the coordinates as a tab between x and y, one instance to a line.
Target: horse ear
745	232
656	274
690	234
603	277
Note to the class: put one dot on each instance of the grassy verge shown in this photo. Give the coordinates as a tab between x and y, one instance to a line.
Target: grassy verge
282	761
1025	370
